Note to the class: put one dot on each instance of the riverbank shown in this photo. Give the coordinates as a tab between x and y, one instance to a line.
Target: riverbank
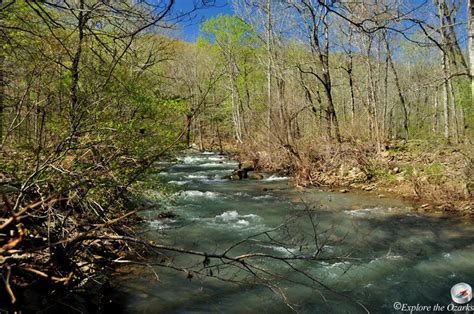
69	268
434	178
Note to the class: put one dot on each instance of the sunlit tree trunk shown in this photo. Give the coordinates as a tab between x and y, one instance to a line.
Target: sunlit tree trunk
385	92
74	88
236	113
399	89
371	94
269	66
470	10
435	115
445	73
454	112
328	86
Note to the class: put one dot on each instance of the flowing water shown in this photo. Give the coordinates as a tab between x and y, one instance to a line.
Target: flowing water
391	253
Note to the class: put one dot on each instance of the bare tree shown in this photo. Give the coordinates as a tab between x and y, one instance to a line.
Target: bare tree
316	21
470	12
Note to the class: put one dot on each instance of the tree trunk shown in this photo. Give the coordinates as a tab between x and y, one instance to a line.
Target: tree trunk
435	115
399	89
324	57
385	102
221	150
189	118
351	86
454	113
351	80
2	97
371	98
73	91
269	67
236	113
445	100
470	10
445	73
201	141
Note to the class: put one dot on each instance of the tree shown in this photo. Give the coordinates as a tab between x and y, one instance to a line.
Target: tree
316	21
470	12
235	40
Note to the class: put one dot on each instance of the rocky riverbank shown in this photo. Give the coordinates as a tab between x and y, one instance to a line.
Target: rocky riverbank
433	178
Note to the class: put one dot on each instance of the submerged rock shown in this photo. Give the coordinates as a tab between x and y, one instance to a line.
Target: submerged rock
237	175
167	214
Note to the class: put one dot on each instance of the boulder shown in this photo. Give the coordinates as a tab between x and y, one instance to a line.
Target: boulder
255	176
235	176
241	172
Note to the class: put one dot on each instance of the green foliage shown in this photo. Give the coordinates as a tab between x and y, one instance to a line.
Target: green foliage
120	121
229	32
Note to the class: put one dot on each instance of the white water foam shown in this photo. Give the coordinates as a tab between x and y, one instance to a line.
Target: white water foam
217	158
217	164
196	176
161	224
386	257
241	194
281	249
375	210
179	182
216	178
275	178
194	194
233	215
228	216
232	219
206	178
342	265
262	197
192	159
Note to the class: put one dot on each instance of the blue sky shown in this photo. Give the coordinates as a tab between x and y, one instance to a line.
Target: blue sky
190	27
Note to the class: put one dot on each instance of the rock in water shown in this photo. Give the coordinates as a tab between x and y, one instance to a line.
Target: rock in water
241	172
235	176
255	176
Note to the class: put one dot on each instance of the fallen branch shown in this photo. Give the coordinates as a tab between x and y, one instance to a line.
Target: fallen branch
64	280
7	285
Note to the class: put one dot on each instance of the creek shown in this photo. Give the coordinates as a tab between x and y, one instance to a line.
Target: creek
377	251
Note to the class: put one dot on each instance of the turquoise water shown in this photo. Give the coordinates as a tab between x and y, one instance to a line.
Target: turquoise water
360	251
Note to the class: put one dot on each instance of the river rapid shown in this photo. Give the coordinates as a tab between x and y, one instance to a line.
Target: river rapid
374	251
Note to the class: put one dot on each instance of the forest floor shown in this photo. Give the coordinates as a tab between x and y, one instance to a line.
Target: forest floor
434	178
